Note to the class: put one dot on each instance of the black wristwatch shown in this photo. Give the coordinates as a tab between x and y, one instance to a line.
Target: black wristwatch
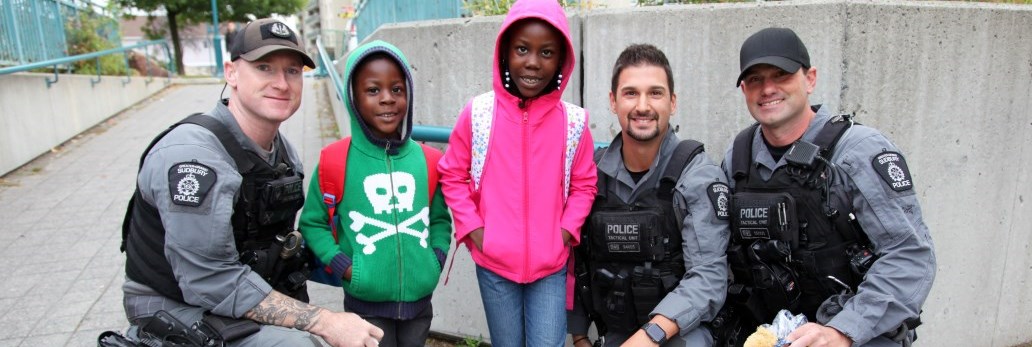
654	332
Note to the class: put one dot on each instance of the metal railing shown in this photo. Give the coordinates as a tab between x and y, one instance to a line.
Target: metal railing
34	30
96	55
369	15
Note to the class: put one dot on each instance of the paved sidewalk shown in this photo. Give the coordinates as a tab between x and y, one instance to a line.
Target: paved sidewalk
60	283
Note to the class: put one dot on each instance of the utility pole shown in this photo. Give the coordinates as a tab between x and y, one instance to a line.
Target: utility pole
217	46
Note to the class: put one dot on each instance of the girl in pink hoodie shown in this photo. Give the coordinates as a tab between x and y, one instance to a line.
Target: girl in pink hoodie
520	180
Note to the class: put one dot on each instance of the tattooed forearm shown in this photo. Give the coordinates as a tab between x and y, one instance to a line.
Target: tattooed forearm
284	311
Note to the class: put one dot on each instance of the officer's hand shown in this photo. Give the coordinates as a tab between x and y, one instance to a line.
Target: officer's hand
478	238
345	329
816	335
567	237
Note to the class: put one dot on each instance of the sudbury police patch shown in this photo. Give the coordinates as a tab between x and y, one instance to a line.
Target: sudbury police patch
893	170
189	183
719	194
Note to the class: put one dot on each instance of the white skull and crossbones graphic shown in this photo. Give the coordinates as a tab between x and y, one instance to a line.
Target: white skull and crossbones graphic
387	193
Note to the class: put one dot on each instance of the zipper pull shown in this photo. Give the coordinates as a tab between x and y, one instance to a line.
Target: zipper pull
524	116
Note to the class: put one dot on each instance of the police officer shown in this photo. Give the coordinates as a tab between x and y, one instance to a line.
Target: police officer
208	234
654	269
825	217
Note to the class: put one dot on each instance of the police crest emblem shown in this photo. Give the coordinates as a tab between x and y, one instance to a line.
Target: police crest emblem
189	183
719	194
892	168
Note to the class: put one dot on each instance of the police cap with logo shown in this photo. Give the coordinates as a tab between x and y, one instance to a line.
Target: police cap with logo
265	36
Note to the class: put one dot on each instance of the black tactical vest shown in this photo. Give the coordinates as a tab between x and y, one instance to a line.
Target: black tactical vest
634	251
789	234
263	219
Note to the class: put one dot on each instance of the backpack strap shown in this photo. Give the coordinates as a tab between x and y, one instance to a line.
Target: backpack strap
432	156
333	162
683	154
575	118
481	116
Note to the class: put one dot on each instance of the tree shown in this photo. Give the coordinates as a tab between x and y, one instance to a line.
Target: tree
84	36
181	13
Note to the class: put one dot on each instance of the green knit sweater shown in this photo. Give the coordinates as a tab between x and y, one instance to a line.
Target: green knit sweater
388	229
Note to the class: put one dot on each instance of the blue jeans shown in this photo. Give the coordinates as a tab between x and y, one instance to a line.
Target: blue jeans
518	315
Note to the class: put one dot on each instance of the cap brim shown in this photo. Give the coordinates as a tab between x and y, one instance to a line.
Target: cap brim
260	52
783	63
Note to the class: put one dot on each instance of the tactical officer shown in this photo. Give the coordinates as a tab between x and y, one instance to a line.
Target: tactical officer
652	268
825	218
209	233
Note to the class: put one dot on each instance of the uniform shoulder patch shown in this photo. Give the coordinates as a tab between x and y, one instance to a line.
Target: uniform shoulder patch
719	194
893	170
189	183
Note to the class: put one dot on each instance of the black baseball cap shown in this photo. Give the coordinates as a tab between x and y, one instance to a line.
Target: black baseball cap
265	36
780	47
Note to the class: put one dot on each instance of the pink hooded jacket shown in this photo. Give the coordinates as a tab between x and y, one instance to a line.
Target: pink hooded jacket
520	201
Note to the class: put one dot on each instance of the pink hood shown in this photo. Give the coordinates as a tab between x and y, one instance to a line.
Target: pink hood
520	200
546	10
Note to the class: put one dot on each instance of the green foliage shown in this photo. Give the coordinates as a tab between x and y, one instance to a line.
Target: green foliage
152	30
500	7
84	36
199	11
181	13
470	341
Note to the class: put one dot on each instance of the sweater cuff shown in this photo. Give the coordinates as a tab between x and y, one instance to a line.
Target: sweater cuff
340	265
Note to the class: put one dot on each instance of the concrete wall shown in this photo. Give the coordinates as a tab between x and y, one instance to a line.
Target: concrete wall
950	83
34	118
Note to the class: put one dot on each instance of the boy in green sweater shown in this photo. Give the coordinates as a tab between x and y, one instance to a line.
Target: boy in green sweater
390	239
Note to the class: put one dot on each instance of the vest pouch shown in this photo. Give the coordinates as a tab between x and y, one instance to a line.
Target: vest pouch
764	216
626	236
774	281
648	289
614	300
279	200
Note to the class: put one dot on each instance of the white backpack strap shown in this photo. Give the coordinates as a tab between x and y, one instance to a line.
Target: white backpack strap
481	115
575	119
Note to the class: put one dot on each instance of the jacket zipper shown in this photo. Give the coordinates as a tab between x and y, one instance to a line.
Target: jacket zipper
526	197
397	237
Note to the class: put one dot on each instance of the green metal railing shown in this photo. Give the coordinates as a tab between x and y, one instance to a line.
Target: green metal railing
371	14
34	30
96	56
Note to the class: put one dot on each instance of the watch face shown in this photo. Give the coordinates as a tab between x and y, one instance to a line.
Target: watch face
655	332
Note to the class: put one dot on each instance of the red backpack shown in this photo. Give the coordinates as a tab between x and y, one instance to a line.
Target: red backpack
333	162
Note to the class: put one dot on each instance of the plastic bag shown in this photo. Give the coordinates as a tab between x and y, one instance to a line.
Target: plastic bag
776	333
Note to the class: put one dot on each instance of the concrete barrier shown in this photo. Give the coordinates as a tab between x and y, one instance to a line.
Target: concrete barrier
35	118
950	83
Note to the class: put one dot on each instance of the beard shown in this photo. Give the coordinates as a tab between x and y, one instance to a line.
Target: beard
642	135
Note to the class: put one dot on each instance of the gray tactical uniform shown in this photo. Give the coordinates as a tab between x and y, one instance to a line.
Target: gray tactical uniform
701	291
897	284
199	242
